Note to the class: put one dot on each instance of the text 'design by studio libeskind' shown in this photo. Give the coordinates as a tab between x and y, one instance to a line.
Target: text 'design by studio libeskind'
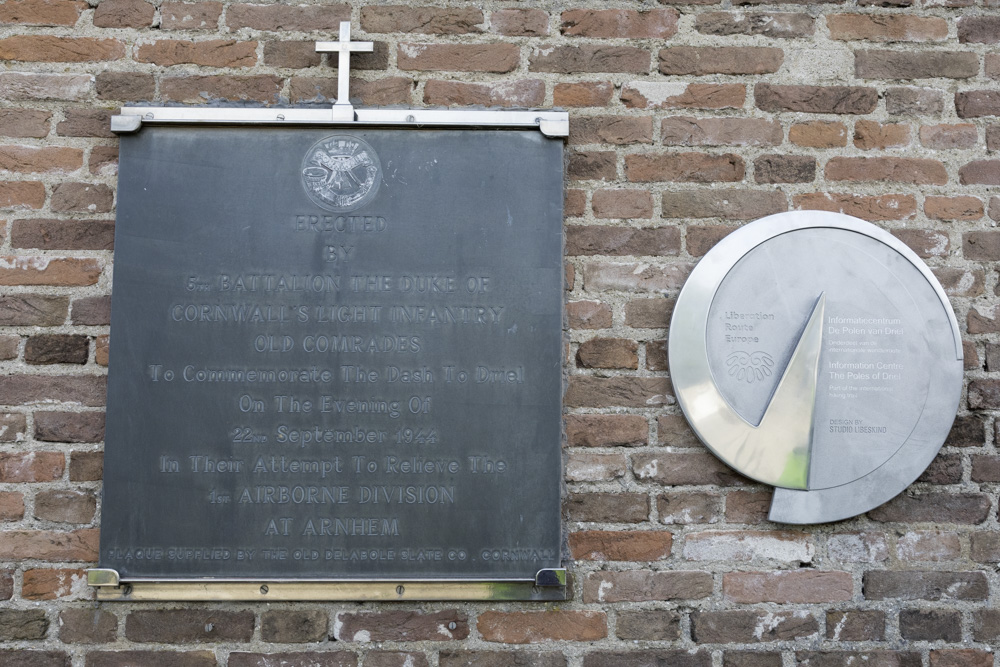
336	355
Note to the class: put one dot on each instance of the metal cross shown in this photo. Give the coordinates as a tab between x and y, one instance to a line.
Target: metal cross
344	48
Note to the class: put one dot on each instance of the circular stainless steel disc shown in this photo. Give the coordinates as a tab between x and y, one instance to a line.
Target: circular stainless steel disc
817	353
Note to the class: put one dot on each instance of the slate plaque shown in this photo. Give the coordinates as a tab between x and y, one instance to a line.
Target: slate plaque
336	353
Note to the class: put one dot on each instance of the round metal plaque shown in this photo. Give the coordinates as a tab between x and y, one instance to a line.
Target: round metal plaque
341	173
817	353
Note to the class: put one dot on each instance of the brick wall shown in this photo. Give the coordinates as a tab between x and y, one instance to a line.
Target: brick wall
687	119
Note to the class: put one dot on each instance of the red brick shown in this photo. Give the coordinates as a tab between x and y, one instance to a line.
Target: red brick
56	349
574	203
11	509
30	159
56	546
977	103
103	162
49	48
928	545
784	169
886	28
981	246
855	625
961	282
701	239
27	389
401	625
674	431
169	658
684	167
598	392
601	240
48	234
24	123
984	320
980	172
589	58
8	350
41	12
124	14
992	137
767	24
396	659
21	194
784	587
288	18
530	627
190	15
684	469
587	466
607	507
294	55
478	658
702	60
458	57
895	658
649	624
51	584
608	353
101	350
727	204
33	310
925	585
523	93
617	130
818	134
915	64
201	89
882	207
678	95
914	101
37	86
209	53
92	310
991	65
86	466
871	135
189	625
962	135
87	626
127	86
49	271
606	430
689	131
610	545
583	94
953	208
423	20
588	315
746	626
645	658
623	204
626	23
749	507
601	276
925	242
816	99
6	592
688	508
960	657
31	466
53	426
901	170
941	508
520	22
86	123
646	586
592	165
391	90
979	29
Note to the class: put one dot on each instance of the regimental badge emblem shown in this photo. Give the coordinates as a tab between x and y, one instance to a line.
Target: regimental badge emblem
341	173
815	352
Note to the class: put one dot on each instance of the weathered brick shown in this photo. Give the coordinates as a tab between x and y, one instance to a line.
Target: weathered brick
925	585
919	171
606	240
746	546
574	202
606	430
857	547
21	194
201	89
6	589
41	12
746	626
501	659
906	101
294	55
48	234
702	60
626	23
294	626
458	57
953	208
8	350
875	658
967	431
30	159
981	246
101	350
190	15
520	22
986	624
402	625
688	508
991	65
531	627
645	586
961	282
88	390
784	169
189	625
600	276
649	313
648	657
31	466
872	135
11	509
883	207
86	123
588	58
208	53
648	624
608	353
594	467
818	134
750	507
960	657
855	625
24	123
979	29
878	64
983	320
170	658
626	204
50	584
980	172
396	659
727	204
684	167
685	468
928	545
607	507
795	586
701	239
924	242
523	93
965	508
886	28
57	546
38	86
423	20
583	94
87	626
324	18
815	99
598	392
588	315
50	48
63	506
767	24
56	349
690	131
679	95
126	86
20	624
86	466
82	198
91	310
971	361
124	14
985	547
617	130
33	310
751	659
612	545
592	165
391	90
930	625
961	135
992	137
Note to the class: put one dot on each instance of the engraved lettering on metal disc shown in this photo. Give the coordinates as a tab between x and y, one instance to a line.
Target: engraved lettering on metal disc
341	173
817	353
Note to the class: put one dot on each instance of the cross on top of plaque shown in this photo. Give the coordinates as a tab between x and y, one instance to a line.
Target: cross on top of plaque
344	48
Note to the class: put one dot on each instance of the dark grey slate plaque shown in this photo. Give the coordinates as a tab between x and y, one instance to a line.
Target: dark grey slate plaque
335	354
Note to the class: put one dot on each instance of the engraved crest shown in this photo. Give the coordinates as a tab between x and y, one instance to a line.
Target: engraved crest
341	173
750	366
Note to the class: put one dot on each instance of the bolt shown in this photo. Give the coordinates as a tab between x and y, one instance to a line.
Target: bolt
399	589
452	625
263	589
